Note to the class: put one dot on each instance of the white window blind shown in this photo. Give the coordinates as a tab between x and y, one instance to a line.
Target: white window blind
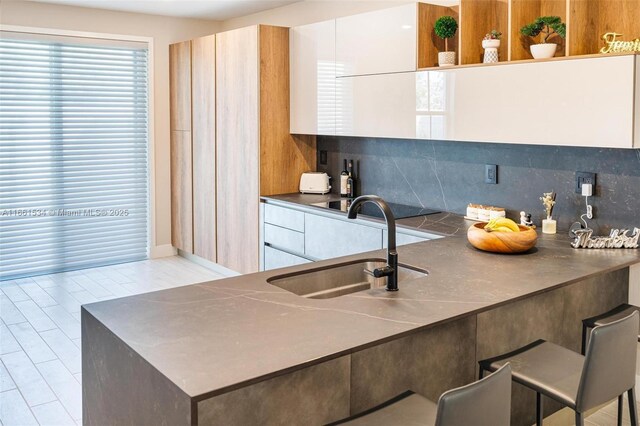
73	155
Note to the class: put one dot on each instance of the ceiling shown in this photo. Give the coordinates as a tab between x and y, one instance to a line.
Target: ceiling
218	10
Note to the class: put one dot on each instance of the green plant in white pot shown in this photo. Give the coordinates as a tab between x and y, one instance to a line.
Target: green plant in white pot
548	26
445	28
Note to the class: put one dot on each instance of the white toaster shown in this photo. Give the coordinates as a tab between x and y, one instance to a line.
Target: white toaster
314	183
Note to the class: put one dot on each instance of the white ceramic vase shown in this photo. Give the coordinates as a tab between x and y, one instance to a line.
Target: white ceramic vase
446	59
543	50
490	51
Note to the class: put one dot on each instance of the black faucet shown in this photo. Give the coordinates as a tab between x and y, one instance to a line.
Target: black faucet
391	269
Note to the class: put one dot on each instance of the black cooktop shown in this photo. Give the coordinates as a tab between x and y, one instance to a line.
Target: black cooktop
400	211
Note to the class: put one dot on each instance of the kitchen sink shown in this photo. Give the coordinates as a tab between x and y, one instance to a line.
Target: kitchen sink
339	280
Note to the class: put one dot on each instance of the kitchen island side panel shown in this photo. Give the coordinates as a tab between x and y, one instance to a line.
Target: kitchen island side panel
429	362
314	395
555	316
120	388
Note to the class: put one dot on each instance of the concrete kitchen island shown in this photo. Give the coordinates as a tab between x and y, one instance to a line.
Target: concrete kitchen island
242	351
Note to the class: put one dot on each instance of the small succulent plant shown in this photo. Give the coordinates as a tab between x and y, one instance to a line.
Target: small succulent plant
493	35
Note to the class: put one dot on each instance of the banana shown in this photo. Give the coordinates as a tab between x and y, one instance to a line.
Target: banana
501	224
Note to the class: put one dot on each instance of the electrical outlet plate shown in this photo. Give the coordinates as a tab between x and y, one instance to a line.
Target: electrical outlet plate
585	177
491	174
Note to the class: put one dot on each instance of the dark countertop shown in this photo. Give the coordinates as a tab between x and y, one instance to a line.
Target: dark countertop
213	337
445	224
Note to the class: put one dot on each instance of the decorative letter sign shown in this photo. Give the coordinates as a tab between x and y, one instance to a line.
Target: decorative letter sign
614	45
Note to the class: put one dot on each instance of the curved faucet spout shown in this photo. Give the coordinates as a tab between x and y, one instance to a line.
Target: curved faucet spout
391	270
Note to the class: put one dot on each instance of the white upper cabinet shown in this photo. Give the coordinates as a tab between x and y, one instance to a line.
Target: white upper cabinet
377	42
381	105
576	102
313	71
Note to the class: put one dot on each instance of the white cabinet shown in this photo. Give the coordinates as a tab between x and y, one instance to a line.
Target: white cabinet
574	102
377	42
313	71
586	102
326	238
382	105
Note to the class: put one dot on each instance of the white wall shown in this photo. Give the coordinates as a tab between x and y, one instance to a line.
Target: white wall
164	31
306	12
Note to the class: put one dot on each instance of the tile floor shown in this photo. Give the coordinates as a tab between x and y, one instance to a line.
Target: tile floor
40	368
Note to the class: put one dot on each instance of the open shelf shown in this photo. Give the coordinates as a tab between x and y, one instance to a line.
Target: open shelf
586	20
526	61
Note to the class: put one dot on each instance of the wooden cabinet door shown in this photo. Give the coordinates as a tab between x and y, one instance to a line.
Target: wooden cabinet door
180	86
203	98
238	149
181	191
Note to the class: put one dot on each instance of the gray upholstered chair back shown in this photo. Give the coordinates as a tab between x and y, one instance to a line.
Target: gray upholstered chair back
610	363
486	402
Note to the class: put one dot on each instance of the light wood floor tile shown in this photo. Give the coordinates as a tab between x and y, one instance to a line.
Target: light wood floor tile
15	293
64	348
64	320
8	311
8	343
6	382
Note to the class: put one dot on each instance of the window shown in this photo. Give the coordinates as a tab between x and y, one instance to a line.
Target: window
73	154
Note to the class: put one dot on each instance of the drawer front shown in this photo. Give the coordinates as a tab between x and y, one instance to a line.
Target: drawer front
274	259
284	238
326	238
403	239
284	217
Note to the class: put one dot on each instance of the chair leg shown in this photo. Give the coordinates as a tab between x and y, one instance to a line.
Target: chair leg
633	412
539	409
584	339
620	405
579	419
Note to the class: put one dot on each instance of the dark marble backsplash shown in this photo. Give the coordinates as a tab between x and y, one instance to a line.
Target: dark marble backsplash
449	175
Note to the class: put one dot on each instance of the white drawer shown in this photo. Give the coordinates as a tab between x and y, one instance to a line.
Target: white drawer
279	259
284	238
284	217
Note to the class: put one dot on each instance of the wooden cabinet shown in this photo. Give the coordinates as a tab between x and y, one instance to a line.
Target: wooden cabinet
313	71
193	162
180	146
256	153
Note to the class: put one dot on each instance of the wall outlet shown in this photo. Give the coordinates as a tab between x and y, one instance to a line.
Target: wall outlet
491	174
585	177
323	157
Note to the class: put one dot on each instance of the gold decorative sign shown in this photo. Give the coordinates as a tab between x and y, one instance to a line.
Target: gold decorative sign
613	44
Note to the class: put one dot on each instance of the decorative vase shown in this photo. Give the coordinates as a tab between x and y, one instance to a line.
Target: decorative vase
548	226
543	50
446	59
490	50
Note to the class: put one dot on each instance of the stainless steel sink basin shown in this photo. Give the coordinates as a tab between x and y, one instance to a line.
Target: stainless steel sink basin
341	279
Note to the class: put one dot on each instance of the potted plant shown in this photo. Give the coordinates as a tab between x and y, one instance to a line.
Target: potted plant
445	28
491	43
549	26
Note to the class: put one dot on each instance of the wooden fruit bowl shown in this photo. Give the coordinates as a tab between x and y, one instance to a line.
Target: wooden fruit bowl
502	242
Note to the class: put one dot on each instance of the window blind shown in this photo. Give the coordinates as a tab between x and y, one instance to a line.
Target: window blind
73	155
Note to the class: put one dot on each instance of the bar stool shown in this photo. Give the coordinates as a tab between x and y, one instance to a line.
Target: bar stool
606	318
486	402
579	382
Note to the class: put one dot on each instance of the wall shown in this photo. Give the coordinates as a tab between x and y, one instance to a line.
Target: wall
306	12
449	175
164	30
